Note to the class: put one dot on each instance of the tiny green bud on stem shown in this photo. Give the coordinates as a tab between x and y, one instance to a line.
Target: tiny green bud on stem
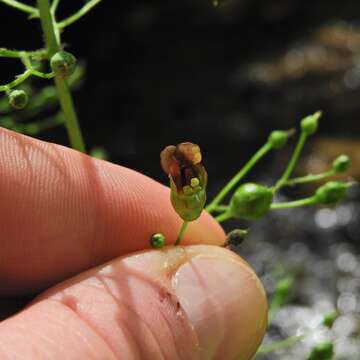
251	201
17	99
329	318
278	138
341	163
63	64
310	123
331	193
157	241
323	351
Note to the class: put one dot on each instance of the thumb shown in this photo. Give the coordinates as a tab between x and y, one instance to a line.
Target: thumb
196	302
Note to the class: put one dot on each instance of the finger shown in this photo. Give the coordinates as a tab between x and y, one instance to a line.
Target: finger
62	212
196	302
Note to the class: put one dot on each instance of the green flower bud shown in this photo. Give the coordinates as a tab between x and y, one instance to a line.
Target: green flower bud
157	241
188	179
235	237
278	138
331	193
323	351
329	318
17	99
341	163
251	201
283	287
63	64
310	123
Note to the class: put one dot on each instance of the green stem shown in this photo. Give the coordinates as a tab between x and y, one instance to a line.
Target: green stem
279	345
292	163
181	232
39	54
309	178
248	166
19	79
66	102
22	7
54	6
294	204
223	217
79	14
221	208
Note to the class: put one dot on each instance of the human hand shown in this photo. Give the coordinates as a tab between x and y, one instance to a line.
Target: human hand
61	213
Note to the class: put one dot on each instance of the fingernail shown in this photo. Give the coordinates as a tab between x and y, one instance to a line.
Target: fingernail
225	303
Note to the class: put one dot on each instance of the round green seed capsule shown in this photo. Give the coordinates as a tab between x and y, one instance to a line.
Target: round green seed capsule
17	99
323	351
63	64
251	201
330	193
278	138
341	163
157	241
310	124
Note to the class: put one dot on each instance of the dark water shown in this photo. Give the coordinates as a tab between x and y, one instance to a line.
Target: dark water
165	72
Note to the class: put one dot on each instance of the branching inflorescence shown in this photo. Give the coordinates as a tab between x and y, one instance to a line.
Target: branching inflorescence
61	62
251	201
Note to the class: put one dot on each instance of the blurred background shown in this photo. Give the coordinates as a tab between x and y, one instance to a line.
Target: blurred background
163	72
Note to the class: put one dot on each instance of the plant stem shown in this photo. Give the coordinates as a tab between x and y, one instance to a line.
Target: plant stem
294	204
279	345
66	102
292	163
181	232
248	166
41	53
54	5
226	215
309	178
22	7
221	208
79	14
19	79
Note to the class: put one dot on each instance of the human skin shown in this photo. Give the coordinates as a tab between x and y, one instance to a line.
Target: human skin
76	230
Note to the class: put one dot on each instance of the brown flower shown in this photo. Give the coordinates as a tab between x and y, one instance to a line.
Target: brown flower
188	179
183	165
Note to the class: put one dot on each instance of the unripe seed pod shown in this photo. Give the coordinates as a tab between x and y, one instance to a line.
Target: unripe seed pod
63	64
157	241
18	99
341	163
278	138
330	193
310	124
251	201
323	351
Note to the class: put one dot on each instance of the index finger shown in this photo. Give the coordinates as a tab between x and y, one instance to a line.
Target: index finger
62	212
